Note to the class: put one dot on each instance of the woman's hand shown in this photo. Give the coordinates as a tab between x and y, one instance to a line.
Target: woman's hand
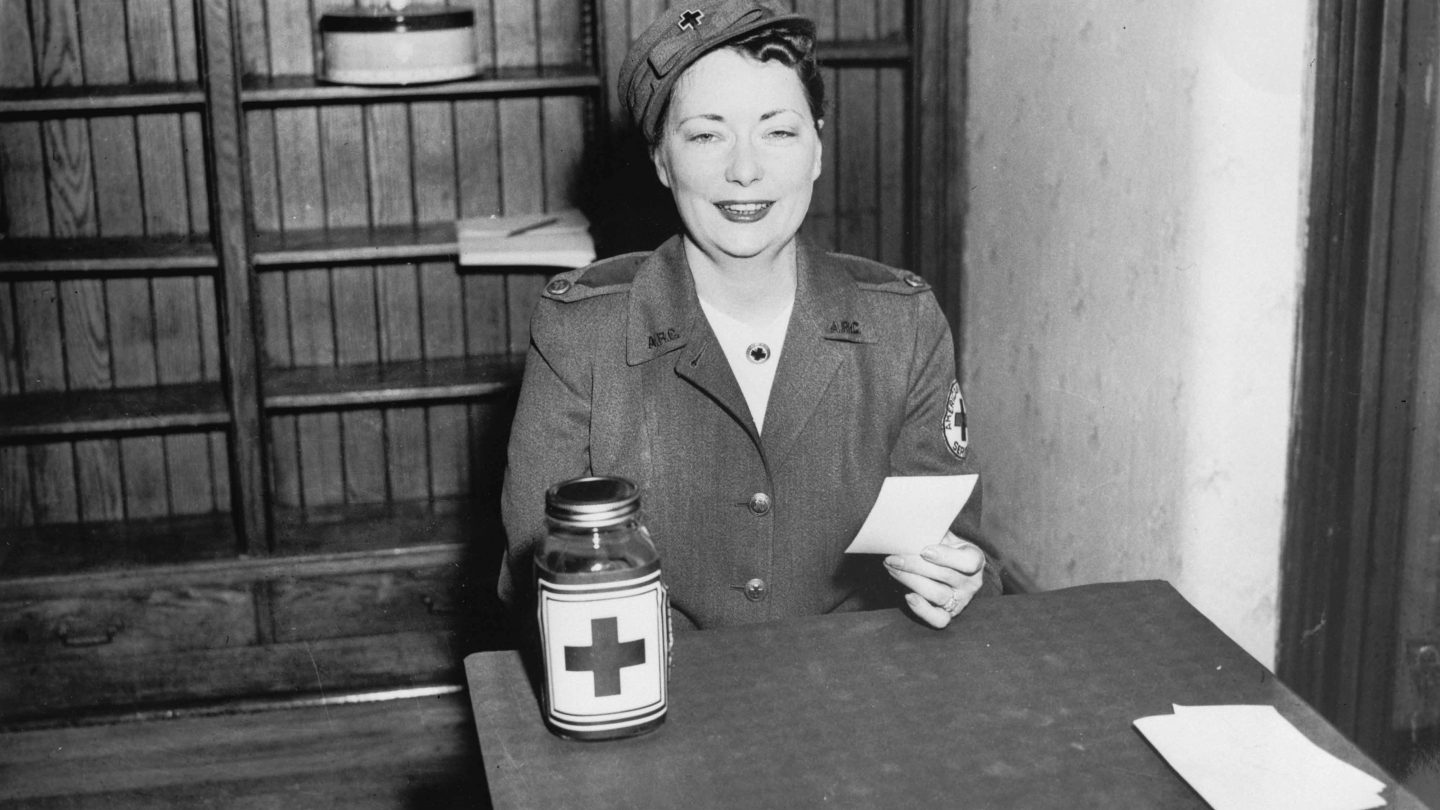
942	578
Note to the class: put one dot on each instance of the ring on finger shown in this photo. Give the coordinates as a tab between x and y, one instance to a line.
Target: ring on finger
952	607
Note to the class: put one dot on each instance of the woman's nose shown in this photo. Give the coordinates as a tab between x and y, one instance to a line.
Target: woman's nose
744	167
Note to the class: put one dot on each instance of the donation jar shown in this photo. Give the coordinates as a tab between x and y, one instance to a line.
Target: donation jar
603	613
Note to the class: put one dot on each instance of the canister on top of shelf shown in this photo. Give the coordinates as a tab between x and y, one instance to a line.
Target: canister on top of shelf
398	43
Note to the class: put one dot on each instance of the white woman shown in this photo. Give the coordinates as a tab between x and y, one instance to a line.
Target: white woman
757	389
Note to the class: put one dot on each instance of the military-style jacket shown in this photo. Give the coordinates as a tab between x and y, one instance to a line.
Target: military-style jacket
624	377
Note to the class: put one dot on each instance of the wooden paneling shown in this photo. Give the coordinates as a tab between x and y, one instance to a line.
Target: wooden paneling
74	179
29	690
365	604
228	286
147	622
368	164
387	166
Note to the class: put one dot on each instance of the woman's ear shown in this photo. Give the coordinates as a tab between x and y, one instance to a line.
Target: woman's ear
662	167
819	151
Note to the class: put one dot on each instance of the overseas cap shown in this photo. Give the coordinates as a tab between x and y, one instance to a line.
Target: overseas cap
681	35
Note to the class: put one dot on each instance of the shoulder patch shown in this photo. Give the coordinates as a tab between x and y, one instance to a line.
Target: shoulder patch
873	275
956	427
611	275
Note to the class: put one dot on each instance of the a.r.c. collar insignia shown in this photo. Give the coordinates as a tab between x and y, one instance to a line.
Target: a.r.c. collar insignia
848	330
662	313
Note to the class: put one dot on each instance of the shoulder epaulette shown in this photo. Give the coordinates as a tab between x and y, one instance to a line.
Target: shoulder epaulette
612	275
873	275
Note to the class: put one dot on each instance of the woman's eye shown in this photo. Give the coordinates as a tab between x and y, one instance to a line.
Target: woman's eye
703	137
782	134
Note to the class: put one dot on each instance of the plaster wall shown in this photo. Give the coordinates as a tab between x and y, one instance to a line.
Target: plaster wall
1134	252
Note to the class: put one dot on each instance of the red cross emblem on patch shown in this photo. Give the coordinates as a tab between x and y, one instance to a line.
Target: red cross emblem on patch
690	20
957	432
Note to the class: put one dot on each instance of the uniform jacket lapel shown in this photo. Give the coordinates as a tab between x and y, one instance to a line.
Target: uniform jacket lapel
815	346
665	319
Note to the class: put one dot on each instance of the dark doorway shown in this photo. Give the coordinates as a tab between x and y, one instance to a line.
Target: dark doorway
1360	601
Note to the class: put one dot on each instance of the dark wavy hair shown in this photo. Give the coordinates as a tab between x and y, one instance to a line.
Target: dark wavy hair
790	47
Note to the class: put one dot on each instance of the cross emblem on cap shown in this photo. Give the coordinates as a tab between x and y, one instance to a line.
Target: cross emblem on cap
691	19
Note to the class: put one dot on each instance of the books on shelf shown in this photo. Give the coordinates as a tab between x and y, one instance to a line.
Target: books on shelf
554	239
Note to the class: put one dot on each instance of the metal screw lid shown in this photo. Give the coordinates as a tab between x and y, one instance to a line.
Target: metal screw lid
593	502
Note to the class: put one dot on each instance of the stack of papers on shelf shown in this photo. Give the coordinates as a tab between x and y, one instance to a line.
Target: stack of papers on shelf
1250	757
555	239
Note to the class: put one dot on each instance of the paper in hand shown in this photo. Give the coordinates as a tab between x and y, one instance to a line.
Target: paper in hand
912	512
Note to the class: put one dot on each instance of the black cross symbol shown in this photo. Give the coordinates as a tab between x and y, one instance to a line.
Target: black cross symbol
605	656
690	19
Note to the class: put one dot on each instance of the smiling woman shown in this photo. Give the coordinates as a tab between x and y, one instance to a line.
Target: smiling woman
740	151
757	389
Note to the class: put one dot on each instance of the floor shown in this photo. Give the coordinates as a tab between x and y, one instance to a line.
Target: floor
418	751
1422	773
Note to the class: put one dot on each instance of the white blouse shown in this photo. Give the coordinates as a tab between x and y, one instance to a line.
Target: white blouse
753	353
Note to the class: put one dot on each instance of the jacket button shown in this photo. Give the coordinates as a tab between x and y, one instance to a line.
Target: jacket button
558	287
760	503
914	280
755	589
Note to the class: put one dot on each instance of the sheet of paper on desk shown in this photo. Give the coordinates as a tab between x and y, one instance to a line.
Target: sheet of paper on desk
912	512
1251	757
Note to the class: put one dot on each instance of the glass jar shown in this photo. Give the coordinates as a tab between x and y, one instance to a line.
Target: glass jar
603	613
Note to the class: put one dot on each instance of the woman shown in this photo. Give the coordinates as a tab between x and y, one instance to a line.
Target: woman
757	389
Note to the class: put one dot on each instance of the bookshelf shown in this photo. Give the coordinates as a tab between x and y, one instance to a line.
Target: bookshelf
253	411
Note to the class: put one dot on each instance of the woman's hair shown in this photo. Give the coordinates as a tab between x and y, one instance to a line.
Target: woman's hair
790	47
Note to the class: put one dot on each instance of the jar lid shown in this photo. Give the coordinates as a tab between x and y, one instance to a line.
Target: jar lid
372	19
592	502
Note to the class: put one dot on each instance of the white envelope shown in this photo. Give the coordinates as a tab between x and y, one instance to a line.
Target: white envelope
1252	758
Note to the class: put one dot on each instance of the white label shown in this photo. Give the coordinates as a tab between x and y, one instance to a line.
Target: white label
606	650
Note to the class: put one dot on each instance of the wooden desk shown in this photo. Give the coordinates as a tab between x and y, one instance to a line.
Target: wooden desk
1026	702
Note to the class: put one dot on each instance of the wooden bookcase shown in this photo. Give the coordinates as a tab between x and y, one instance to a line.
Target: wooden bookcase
252	412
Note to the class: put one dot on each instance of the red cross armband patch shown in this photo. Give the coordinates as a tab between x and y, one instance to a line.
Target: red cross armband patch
957	433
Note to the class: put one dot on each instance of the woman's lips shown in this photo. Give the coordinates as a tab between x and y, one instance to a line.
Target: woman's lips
737	211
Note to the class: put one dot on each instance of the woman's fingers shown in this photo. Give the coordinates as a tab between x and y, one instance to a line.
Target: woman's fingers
928	613
942	578
955	554
952	565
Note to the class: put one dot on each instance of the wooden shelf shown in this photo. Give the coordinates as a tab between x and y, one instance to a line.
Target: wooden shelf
441	528
69	414
92	558
99	100
377	384
109	256
77	549
283	90
863	52
361	245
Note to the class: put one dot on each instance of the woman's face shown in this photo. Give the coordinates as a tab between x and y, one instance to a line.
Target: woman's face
740	153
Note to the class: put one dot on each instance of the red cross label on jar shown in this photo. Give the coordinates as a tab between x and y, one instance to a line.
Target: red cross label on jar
610	640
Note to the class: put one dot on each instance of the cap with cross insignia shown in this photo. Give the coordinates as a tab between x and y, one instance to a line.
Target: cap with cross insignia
683	34
691	18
